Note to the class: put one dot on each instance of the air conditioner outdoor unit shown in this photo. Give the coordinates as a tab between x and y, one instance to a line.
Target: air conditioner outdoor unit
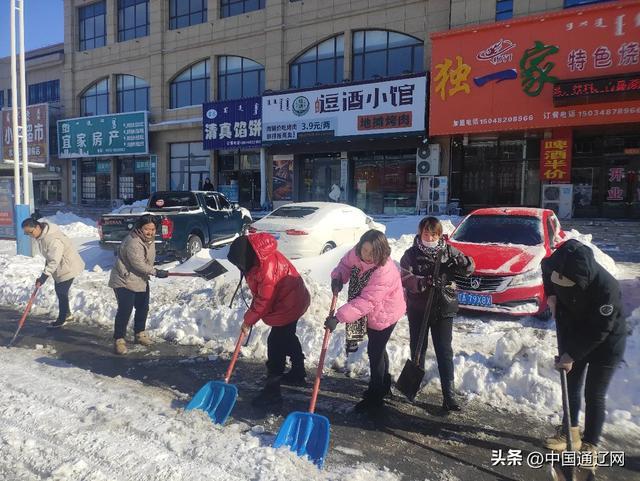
559	198
439	208
428	160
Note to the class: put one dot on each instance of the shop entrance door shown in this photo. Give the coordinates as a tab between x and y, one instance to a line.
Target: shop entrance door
250	189
319	174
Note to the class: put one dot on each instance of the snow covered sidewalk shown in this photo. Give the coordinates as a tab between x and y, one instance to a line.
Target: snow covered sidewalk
61	423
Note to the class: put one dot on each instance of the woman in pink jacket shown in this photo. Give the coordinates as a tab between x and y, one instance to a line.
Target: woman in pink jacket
376	303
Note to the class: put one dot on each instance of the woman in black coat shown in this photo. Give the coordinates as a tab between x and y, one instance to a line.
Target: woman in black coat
418	268
592	332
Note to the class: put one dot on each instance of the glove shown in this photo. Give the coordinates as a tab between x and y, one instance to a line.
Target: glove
424	283
331	323
458	261
161	274
564	362
42	279
336	286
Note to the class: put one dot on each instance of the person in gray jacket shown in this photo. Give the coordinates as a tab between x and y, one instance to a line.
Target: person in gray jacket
63	263
130	281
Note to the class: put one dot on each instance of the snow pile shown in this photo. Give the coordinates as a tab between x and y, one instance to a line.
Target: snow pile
61	423
138	207
73	225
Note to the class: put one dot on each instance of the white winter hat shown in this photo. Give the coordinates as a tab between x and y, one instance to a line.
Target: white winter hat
560	280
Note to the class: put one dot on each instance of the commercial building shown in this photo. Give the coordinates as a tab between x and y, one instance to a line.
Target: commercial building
44	75
169	57
543	110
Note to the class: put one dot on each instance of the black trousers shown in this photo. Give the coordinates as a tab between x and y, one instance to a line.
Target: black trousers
380	379
283	342
598	378
62	292
127	300
441	335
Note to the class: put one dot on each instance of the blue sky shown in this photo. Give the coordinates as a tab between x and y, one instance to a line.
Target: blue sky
43	24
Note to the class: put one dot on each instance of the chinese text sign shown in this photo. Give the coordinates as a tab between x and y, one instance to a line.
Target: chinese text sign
37	133
232	124
555	160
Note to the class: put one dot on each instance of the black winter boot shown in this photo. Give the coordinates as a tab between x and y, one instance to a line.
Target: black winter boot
449	401
371	402
270	395
295	377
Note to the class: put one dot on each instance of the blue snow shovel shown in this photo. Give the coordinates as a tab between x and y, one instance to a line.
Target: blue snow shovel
307	434
217	398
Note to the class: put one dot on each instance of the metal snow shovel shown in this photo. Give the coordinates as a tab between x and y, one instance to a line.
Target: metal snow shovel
209	271
307	434
412	374
24	316
217	398
560	472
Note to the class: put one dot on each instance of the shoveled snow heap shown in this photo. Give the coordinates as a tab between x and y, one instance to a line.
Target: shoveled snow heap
61	423
505	362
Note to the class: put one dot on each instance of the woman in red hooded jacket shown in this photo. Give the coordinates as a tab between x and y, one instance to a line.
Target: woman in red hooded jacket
280	298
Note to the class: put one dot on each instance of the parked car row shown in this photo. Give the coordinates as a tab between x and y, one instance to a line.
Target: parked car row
507	244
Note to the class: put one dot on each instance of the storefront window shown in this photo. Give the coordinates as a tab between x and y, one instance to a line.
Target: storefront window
191	87
91	26
132	93
385	182
604	174
190	166
493	173
239	77
133	19
183	13
239	177
322	64
95	100
133	179
318	174
95	181
385	54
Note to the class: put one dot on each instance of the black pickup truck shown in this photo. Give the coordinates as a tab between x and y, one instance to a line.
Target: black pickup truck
187	222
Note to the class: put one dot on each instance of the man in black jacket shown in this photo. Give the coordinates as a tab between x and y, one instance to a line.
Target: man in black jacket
591	335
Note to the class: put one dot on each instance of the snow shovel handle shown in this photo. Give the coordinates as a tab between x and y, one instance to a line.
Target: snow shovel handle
323	353
234	358
183	274
26	313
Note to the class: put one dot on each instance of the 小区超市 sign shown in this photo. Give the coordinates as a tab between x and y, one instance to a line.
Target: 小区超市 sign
103	135
365	108
597	89
37	133
232	124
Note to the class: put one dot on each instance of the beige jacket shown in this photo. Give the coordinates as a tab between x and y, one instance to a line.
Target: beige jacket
62	259
134	264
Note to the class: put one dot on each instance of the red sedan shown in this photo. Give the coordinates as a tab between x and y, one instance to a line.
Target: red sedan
507	245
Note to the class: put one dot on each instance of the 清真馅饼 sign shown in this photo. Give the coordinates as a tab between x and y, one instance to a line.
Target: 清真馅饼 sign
37	133
103	135
501	76
364	108
232	124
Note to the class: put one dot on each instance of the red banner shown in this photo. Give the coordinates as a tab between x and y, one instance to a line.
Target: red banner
501	76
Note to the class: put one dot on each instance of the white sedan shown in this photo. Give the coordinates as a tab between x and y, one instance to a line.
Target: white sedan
311	228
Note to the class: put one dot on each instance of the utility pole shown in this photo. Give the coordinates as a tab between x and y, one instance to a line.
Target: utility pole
22	211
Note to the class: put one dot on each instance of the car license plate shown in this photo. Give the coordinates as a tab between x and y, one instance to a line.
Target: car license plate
470	299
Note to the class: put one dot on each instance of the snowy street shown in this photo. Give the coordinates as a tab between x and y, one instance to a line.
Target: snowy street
72	410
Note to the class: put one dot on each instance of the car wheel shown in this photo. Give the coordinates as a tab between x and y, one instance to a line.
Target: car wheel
327	247
194	245
544	315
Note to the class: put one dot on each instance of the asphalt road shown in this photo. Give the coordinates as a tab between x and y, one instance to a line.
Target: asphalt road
417	440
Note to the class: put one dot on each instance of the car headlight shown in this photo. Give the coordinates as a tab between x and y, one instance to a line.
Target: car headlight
532	277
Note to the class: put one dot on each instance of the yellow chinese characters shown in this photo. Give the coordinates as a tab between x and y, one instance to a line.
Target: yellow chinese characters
457	77
555	159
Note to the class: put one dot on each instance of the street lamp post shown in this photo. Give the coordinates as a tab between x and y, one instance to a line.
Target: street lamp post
22	211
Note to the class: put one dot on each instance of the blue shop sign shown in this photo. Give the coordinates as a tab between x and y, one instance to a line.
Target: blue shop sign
232	124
